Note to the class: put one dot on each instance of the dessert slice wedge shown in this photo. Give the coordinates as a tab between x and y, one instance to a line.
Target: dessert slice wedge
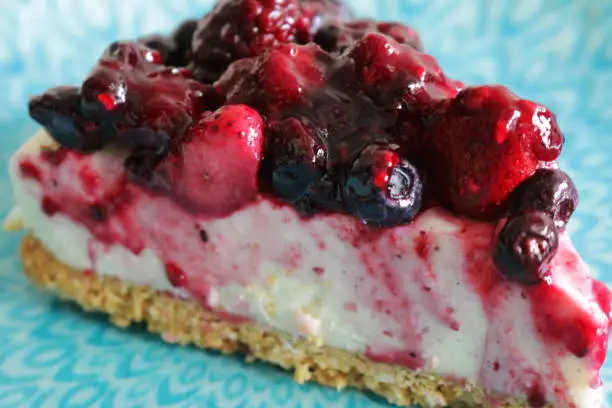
321	197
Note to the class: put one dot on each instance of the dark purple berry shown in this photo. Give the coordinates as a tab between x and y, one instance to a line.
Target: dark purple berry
525	246
236	29
129	98
548	190
295	168
383	189
58	111
175	50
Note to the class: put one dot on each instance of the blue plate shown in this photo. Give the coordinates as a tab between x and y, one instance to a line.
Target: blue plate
558	52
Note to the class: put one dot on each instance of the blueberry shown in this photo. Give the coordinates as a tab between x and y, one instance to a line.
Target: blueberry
294	180
58	110
525	246
383	189
551	191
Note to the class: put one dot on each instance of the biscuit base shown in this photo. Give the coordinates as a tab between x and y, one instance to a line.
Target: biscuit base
185	322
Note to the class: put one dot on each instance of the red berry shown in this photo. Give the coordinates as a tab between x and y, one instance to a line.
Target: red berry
399	77
236	29
486	144
401	33
278	79
215	171
388	69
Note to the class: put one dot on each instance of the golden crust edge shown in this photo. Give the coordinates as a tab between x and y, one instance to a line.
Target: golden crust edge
186	323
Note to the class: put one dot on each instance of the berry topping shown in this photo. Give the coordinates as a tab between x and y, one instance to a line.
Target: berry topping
383	189
236	29
215	171
129	98
336	36
525	246
387	70
347	121
297	162
548	190
319	121
278	79
174	50
486	144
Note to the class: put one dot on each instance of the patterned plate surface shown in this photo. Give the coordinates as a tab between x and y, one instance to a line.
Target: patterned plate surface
558	52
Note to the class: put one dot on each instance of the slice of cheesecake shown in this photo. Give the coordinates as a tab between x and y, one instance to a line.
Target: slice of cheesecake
342	209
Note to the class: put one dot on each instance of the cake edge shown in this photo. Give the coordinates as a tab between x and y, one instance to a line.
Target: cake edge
185	322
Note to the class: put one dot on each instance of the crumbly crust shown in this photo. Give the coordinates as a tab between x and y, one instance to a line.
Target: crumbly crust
185	322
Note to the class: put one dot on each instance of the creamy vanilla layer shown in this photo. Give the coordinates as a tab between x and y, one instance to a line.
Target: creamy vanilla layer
417	295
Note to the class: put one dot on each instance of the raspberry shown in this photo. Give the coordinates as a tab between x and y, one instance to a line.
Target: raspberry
401	78
525	246
388	70
485	145
279	78
336	36
548	190
215	171
236	29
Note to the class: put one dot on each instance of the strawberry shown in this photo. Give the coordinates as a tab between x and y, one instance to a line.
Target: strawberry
486	144
215	171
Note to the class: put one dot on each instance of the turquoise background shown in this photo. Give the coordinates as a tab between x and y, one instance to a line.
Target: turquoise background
558	52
